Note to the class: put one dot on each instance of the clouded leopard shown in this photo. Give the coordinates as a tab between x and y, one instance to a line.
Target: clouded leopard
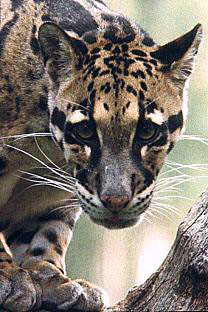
115	104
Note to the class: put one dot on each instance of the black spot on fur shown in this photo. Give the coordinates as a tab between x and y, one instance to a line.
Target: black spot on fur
127	105
95	50
33	75
151	107
92	98
125	24
38	251
165	68
3	164
143	85
45	89
116	50
154	62
130	89
139	53
141	95
18	102
75	150
149	72
175	122
51	235
107	17
46	18
148	66
90	86
110	34
104	72
149	42
95	72
138	73
171	146
108	47
58	249
34	29
90	38
6	30
125	47
43	103
106	87
106	106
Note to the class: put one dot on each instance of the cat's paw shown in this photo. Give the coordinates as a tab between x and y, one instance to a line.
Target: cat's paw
17	290
59	293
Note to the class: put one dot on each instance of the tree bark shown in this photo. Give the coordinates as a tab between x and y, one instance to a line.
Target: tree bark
181	282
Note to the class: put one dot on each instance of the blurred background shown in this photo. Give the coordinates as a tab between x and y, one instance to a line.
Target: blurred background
118	260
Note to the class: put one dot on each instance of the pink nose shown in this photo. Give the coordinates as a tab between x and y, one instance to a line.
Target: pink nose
115	203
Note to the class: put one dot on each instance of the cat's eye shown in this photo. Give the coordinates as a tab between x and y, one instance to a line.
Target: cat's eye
147	131
84	131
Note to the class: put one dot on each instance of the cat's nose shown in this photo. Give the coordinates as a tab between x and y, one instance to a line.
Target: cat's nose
115	203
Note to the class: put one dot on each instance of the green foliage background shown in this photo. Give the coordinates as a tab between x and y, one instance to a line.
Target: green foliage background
117	260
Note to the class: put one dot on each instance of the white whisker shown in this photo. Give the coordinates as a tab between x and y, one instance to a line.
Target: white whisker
29	135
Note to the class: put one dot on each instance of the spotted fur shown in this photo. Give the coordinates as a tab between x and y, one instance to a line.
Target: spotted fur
116	103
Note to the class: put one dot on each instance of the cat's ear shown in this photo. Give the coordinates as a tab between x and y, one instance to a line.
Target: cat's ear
61	53
177	56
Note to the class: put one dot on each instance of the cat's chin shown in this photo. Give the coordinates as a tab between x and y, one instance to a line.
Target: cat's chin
116	222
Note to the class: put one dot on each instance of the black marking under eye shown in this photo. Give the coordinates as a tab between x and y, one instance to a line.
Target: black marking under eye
175	122
69	139
58	118
151	107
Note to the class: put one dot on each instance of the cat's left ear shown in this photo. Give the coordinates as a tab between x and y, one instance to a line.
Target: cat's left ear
177	56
